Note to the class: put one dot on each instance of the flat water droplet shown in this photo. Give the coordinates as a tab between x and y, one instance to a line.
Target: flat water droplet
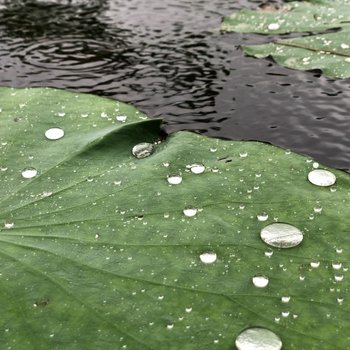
320	177
260	281
258	339
142	150
197	168
54	133
208	257
29	173
9	225
273	26
281	235
174	179
262	217
190	212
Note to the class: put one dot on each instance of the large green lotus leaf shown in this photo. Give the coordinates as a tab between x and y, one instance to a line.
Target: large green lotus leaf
96	252
327	52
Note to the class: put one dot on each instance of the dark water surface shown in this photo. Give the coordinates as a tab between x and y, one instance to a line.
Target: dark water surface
168	58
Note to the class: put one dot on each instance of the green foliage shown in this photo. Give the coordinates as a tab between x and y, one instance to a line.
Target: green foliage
329	52
96	251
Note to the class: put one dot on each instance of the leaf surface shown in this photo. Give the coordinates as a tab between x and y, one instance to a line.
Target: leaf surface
96	251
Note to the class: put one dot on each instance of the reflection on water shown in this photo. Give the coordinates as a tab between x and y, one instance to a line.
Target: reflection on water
170	59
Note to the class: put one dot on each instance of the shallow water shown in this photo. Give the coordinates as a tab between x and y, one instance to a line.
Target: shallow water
169	59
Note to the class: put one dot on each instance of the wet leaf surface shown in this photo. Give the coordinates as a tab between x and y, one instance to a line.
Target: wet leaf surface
329	52
98	248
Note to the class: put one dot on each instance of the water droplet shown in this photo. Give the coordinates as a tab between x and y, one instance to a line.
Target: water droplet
268	253
174	179
258	339
281	235
170	326
315	264
208	257
188	309
344	46
29	173
321	177
61	114
190	212
142	150
285	313
260	281
9	225
262	217
197	168
338	278
213	149
54	133
315	165
336	265
318	210
121	118
285	299
273	26
243	154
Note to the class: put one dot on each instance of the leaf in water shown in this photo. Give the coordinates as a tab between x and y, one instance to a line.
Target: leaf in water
328	52
99	250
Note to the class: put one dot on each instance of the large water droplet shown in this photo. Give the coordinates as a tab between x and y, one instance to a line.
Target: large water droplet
320	177
258	339
197	168
142	150
29	173
260	281
208	257
174	179
281	235
54	133
190	212
262	217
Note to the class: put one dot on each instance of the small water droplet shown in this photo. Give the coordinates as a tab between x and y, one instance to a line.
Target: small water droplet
321	177
273	26
268	253
174	179
29	173
260	281
190	212
315	264
337	265
262	217
318	210
285	313
208	257
258	339
281	235
188	310
197	168
285	299
338	278
54	133
9	225
213	149
243	154
142	150
340	300
61	114
339	250
121	118
170	326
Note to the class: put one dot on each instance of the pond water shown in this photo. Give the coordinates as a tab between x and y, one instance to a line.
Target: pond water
169	59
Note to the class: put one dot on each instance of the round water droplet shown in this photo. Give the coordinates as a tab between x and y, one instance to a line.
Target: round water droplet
285	299
208	257
54	133
142	150
260	281
262	217
281	235
190	212
273	26
320	177
197	168
258	339
174	179
29	173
